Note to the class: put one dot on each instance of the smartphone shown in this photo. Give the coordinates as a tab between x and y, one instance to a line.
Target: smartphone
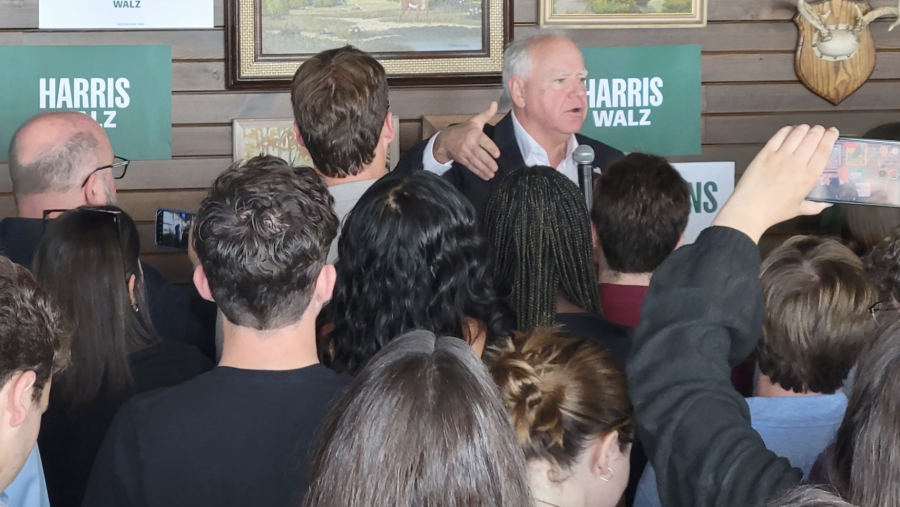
173	227
861	171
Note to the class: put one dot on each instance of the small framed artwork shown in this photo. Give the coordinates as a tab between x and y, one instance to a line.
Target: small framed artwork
419	42
623	13
277	137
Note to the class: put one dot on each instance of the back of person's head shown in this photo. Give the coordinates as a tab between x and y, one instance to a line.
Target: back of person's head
340	100
865	460
34	344
808	496
570	409
883	266
88	260
410	257
641	208
262	236
55	152
817	300
422	424
539	232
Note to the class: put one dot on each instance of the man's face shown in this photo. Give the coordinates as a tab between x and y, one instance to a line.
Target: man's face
554	90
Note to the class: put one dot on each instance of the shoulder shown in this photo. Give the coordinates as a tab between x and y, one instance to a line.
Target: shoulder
604	154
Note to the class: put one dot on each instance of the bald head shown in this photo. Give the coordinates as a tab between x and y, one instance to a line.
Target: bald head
54	152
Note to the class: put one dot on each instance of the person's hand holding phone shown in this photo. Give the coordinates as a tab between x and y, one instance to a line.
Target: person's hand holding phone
775	185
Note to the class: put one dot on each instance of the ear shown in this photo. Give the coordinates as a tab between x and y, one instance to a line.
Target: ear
517	91
387	130
131	282
324	285
202	284
21	397
605	452
680	242
299	137
94	191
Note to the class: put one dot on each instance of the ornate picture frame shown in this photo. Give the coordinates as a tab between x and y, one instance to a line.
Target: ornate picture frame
623	13
277	137
419	42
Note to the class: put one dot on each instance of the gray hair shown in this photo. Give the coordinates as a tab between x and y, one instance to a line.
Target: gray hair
808	496
517	58
55	170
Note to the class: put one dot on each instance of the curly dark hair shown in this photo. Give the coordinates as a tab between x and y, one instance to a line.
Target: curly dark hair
409	257
883	267
261	236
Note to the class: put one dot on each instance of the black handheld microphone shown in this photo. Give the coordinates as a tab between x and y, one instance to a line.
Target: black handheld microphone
584	157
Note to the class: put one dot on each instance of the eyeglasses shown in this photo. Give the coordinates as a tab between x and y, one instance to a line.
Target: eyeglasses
888	309
115	216
119	166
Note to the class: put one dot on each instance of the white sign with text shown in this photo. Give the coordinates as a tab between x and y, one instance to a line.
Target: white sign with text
124	14
711	183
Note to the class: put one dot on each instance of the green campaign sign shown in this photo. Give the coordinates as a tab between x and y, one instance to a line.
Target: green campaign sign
644	98
127	89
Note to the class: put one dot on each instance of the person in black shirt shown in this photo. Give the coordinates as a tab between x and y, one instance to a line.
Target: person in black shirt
64	160
88	261
240	434
539	232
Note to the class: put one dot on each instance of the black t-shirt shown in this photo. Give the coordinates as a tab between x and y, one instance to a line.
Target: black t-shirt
70	437
229	437
612	337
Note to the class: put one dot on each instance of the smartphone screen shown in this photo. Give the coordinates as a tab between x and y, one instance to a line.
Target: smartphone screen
172	228
861	171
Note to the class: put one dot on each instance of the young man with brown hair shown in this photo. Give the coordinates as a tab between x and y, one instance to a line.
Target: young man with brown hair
340	101
34	344
817	321
240	434
641	208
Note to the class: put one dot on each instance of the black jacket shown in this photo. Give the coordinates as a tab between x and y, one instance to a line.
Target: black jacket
511	158
703	315
174	315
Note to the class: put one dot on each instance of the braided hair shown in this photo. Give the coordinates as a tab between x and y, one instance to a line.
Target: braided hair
539	231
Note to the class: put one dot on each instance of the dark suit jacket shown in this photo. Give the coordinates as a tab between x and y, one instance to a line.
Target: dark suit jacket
511	158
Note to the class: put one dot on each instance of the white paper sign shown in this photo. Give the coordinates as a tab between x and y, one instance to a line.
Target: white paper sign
711	183
125	14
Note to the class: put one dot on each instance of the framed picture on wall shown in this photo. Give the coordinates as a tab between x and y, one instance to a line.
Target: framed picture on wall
277	137
419	42
623	13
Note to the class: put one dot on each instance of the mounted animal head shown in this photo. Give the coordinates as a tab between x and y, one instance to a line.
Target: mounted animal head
840	41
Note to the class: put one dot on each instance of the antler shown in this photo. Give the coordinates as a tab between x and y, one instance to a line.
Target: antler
880	13
813	17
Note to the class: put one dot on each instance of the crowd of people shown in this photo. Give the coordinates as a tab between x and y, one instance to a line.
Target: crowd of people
462	331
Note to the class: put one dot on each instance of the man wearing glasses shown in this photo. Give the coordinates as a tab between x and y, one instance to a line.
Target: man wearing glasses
64	160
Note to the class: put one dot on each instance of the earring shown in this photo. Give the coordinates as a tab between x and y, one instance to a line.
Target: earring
135	308
608	477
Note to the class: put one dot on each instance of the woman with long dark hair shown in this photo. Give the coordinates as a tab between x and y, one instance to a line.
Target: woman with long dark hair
88	261
409	257
422	424
539	232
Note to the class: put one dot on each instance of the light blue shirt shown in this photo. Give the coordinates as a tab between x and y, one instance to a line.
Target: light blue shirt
28	489
798	428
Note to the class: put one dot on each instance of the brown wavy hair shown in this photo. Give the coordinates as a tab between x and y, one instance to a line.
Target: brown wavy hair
561	392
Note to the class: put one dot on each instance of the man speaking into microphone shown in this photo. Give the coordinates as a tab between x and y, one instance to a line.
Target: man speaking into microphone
544	76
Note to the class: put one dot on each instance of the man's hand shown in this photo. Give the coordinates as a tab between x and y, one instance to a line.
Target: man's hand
467	144
775	185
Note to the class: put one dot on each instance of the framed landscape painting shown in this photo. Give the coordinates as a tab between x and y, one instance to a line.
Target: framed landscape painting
419	42
623	13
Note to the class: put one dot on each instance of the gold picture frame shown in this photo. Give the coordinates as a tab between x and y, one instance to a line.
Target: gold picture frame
452	42
277	137
623	13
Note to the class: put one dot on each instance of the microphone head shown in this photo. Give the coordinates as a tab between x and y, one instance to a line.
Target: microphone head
583	155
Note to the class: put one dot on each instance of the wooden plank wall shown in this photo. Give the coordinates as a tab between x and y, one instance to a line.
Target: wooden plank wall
749	91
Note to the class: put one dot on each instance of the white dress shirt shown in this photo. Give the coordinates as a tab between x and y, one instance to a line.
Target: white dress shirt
532	152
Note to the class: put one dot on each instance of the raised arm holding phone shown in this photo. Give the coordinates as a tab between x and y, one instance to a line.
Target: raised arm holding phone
702	315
